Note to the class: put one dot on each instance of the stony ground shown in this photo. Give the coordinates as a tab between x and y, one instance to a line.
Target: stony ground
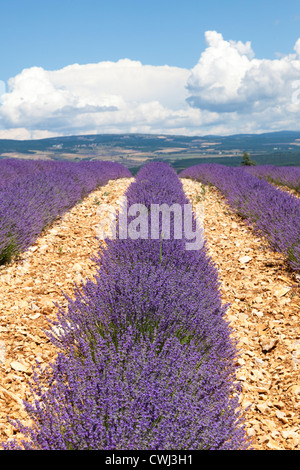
264	312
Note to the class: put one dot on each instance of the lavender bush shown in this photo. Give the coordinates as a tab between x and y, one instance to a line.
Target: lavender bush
273	213
146	358
284	175
14	168
33	194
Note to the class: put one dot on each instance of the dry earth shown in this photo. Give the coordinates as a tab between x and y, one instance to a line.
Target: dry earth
264	312
264	316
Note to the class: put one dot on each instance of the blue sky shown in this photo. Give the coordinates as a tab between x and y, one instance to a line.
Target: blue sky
56	33
59	33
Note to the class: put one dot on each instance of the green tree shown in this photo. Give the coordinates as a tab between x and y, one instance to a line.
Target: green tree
246	159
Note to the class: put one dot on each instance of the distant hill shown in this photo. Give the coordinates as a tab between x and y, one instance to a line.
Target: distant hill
134	150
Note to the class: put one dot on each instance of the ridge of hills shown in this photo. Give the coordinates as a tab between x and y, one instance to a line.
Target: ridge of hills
134	150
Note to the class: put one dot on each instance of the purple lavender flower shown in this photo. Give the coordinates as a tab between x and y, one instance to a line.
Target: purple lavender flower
34	193
281	175
274	214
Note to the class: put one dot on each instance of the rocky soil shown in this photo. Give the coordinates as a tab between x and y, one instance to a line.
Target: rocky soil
262	291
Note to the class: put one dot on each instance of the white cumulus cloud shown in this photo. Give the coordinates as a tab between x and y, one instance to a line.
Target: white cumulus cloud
228	78
228	91
102	96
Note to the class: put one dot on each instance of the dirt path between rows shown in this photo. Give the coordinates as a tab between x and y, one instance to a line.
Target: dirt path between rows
59	258
264	315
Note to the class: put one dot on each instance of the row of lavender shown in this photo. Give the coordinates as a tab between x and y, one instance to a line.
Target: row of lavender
34	193
12	169
146	360
273	213
288	176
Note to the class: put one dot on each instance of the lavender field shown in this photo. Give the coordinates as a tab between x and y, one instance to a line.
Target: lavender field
146	357
288	176
273	213
34	193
